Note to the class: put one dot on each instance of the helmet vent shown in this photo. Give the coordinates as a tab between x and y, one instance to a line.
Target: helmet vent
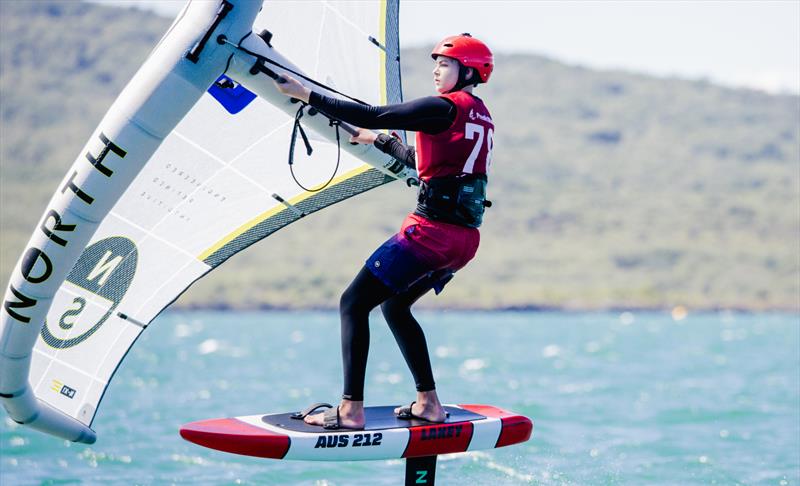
448	45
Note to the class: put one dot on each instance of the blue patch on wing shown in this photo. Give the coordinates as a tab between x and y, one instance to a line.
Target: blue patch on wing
231	95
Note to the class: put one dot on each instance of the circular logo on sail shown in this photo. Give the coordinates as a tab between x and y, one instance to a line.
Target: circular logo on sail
92	291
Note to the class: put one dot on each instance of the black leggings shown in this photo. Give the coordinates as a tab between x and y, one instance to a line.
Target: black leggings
364	294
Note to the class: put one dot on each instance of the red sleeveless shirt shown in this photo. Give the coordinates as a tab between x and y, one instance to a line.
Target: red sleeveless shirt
465	147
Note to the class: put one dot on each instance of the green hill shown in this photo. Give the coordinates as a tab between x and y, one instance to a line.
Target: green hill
610	189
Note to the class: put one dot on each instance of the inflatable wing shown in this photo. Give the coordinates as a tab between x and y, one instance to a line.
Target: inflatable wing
187	168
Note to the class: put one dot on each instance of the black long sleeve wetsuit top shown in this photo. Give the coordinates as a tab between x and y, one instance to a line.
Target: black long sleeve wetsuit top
430	114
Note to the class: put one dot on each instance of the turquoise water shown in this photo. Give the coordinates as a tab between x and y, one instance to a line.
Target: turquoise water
615	399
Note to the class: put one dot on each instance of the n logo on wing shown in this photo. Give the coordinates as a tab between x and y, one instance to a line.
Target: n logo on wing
93	290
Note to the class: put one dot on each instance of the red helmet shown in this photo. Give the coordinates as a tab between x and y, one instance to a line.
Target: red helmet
469	51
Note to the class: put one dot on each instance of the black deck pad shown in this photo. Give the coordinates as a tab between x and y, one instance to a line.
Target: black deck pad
377	418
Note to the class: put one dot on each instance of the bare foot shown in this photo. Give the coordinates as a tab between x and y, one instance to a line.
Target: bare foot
351	416
427	406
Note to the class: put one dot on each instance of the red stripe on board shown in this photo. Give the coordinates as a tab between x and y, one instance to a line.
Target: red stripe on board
488	411
237	437
439	439
516	428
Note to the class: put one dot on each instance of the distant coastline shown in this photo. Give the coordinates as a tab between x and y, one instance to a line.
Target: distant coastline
611	190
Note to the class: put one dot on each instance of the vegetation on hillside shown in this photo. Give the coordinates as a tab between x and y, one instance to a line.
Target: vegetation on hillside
610	189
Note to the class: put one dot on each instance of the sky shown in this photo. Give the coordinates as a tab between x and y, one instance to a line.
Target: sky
740	43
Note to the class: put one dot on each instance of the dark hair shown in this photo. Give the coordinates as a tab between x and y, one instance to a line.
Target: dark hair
463	82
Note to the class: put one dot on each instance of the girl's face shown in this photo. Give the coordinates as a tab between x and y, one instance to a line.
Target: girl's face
445	73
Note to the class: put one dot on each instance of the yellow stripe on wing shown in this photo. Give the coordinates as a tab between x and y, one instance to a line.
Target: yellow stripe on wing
277	209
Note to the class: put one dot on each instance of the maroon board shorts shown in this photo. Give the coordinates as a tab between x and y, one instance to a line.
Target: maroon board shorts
423	249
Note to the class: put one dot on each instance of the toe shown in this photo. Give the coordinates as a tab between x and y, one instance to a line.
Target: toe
313	419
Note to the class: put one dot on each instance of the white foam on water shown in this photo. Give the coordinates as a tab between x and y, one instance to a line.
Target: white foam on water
551	351
473	364
208	346
627	318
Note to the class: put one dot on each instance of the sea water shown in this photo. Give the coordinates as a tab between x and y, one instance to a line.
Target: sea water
616	398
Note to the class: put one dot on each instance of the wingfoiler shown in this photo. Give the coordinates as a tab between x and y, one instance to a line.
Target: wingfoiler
188	168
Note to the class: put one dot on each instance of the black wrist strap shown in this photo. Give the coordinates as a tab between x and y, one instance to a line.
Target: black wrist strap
381	141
